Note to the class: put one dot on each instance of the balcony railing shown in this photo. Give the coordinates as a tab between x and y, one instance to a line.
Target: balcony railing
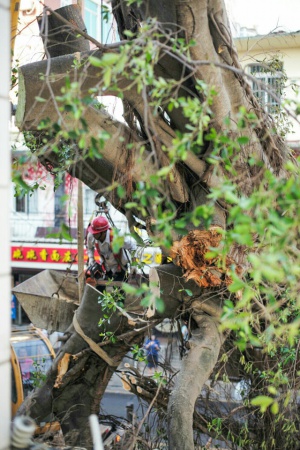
37	227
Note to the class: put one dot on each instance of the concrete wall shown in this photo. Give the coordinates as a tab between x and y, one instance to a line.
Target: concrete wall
5	388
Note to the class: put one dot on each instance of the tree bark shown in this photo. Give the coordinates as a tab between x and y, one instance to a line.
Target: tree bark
76	393
168	283
196	368
72	395
60	39
204	306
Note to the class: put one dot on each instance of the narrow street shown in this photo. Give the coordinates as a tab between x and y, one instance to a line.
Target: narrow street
117	404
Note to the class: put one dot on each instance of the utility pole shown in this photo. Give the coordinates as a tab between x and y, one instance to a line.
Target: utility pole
80	241
80	231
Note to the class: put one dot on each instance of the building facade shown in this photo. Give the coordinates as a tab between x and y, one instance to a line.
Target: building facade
274	60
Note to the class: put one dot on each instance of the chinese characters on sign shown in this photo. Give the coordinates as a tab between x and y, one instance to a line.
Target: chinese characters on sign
44	254
64	255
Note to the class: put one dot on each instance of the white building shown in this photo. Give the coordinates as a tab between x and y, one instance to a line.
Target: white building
256	53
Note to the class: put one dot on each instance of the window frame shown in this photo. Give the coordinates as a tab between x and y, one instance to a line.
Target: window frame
269	78
104	32
28	203
89	204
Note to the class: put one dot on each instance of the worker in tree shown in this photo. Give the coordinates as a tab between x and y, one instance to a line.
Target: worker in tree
100	237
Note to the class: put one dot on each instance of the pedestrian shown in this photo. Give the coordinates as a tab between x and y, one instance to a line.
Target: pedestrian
100	237
13	308
185	331
152	347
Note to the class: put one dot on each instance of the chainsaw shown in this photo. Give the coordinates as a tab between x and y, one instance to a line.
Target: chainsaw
96	271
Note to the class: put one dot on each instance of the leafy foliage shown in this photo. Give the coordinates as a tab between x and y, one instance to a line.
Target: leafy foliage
260	307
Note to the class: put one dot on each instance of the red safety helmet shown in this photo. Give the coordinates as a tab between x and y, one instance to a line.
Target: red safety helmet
98	225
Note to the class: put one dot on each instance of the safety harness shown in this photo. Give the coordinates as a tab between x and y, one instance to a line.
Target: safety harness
117	256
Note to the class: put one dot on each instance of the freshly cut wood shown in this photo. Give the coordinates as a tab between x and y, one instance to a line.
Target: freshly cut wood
191	252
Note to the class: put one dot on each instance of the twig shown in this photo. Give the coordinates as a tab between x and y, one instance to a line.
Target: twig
144	418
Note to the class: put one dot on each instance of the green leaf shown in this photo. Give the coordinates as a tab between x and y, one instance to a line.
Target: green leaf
65	231
107	77
272	390
110	59
40	99
237	284
164	171
121	191
96	62
129	33
186	291
274	408
159	305
262	401
130	205
243	140
129	289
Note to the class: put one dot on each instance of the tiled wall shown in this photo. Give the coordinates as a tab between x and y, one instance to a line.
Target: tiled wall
5	175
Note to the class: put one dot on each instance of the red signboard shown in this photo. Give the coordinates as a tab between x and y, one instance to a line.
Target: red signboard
64	255
58	255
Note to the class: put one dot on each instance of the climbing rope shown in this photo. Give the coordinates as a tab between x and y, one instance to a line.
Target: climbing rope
94	347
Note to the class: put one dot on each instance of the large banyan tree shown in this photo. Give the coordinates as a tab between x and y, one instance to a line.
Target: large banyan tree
186	163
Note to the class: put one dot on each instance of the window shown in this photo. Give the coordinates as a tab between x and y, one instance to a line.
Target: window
27	203
270	74
89	201
98	21
21	204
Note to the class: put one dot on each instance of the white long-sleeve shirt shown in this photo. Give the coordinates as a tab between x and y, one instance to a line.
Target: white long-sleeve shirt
106	254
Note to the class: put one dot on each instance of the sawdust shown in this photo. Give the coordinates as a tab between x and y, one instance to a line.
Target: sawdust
190	254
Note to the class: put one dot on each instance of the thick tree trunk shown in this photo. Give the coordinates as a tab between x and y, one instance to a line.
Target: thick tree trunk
114	151
196	368
60	38
204	306
78	378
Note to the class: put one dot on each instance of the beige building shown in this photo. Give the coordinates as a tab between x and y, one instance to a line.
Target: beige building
256	54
